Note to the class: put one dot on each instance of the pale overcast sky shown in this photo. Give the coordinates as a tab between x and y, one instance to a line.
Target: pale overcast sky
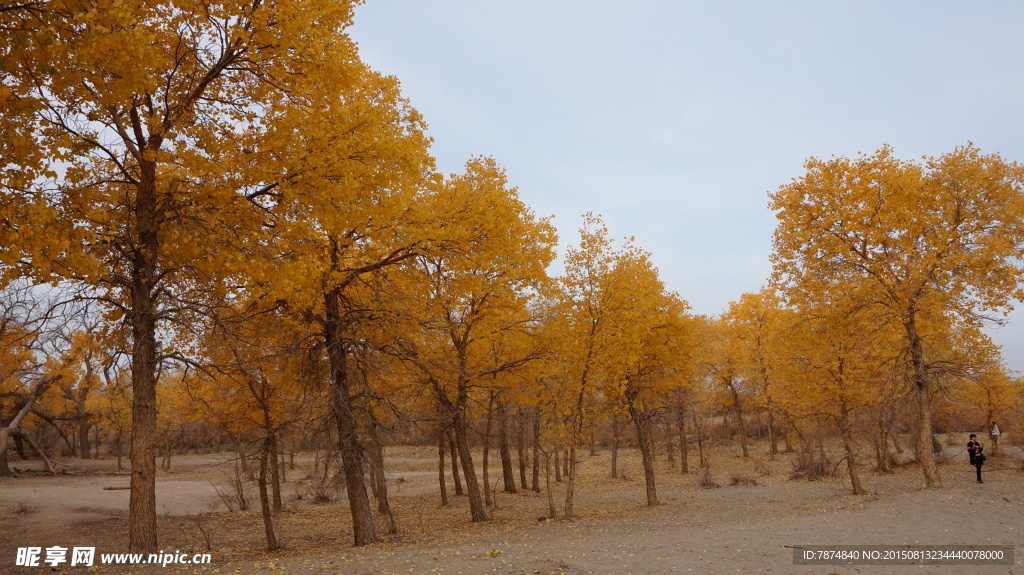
673	119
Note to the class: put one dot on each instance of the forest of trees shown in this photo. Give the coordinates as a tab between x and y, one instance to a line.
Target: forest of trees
223	231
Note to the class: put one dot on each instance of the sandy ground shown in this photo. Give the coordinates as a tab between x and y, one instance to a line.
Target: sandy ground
730	529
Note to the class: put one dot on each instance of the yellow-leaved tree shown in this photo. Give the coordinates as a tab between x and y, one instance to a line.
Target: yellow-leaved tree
842	361
347	198
476	285
755	324
620	338
651	343
135	118
917	239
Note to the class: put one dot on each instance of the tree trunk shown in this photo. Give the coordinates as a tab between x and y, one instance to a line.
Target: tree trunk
615	446
268	519
378	481
488	500
19	446
739	417
669	446
363	531
547	486
11	430
536	452
922	385
275	476
684	445
440	465
883	459
243	459
84	449
142	316
80	411
38	451
521	448
166	462
570	487
5	470
790	428
476	505
646	441
119	446
507	474
851	456
558	466
454	451
702	457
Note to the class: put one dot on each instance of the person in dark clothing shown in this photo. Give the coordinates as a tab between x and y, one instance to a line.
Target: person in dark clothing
976	451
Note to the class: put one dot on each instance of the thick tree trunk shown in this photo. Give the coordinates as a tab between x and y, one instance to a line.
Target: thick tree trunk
363	531
476	504
922	385
268	519
642	420
142	316
507	474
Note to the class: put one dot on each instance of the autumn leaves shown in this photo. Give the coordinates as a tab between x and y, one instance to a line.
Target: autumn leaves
245	197
893	266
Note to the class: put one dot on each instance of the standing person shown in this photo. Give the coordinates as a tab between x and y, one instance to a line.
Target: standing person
994	434
976	451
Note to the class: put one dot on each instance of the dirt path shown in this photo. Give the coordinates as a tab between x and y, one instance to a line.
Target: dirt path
731	529
727	530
